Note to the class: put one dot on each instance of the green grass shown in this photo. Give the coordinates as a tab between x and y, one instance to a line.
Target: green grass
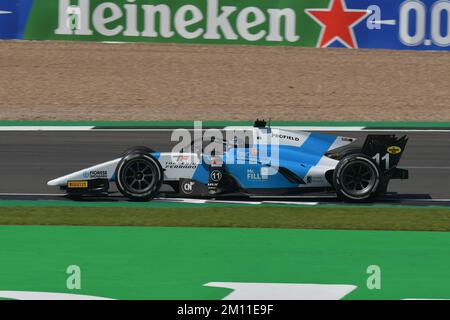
358	218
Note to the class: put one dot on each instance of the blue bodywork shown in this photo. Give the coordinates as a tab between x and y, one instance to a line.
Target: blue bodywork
245	167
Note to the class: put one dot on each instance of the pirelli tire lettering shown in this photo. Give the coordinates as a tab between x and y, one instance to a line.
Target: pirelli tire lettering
77	184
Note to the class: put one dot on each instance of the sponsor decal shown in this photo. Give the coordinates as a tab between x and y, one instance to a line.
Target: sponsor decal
95	174
208	19
285	137
394	150
252	175
212	185
180	165
77	184
402	24
215	175
188	186
183	161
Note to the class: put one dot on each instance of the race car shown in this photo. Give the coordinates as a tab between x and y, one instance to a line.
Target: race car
271	162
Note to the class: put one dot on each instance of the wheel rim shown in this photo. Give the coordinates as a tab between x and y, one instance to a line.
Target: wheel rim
139	176
358	178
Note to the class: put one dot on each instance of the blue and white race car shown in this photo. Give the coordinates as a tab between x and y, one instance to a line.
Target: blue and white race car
272	162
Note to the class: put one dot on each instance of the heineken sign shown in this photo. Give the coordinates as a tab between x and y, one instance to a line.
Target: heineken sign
207	19
393	24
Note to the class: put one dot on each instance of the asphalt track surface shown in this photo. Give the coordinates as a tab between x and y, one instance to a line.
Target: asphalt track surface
29	159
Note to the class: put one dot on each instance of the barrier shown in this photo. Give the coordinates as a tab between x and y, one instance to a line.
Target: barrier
387	24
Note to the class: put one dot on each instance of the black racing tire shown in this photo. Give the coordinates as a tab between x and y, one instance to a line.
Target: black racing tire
139	176
356	178
140	149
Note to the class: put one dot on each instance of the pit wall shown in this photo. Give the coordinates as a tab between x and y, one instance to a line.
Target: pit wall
380	24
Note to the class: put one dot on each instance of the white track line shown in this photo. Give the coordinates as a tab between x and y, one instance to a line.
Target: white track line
291	202
337	129
407	130
293	197
196	201
294	128
46	128
302	128
201	201
423	200
319	129
33	194
114	42
233	202
183	200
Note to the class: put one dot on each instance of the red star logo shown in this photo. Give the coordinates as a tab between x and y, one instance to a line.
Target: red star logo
337	23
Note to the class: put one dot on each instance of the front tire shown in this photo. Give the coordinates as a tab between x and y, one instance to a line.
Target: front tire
139	176
356	178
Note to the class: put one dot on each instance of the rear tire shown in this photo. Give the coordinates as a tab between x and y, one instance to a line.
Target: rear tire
356	178
139	176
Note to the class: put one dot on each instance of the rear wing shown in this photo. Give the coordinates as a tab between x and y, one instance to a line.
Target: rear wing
386	151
